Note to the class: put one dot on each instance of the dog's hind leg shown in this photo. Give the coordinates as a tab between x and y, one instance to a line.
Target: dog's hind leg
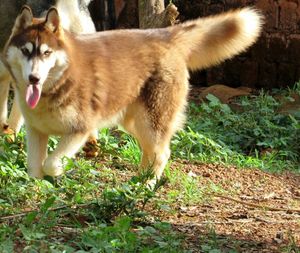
15	120
157	114
4	89
155	147
155	155
154	144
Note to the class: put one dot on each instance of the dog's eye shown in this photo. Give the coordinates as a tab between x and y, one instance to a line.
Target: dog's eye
25	51
47	53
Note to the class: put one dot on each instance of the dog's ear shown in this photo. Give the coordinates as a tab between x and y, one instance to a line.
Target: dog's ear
23	20
52	19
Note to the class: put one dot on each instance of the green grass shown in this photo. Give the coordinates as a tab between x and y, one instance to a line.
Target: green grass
99	205
186	188
218	134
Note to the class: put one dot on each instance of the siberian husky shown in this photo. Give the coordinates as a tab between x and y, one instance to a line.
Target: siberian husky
75	18
68	85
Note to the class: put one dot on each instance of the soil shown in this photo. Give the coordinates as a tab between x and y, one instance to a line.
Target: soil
258	211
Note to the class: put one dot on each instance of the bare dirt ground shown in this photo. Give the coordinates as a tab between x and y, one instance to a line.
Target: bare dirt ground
258	211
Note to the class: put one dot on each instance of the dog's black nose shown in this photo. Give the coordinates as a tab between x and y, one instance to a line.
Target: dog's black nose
34	79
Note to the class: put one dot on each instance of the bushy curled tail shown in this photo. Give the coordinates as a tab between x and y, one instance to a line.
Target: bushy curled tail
208	41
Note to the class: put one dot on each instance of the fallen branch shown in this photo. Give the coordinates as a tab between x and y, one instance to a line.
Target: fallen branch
270	208
194	224
68	229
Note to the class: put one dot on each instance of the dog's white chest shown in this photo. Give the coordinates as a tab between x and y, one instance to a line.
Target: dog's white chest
50	122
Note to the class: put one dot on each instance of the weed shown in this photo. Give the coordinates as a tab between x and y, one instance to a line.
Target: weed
121	237
36	228
292	246
128	199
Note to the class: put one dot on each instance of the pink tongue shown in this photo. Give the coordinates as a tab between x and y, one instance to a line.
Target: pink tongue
33	94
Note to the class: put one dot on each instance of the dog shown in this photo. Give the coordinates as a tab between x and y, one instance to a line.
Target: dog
68	85
75	18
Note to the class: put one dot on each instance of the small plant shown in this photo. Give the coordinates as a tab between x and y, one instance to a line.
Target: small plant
31	229
292	246
128	199
122	237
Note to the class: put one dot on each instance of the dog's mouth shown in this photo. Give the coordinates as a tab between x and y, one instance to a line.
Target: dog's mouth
33	94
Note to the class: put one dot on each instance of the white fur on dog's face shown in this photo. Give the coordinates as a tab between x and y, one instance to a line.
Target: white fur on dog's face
36	65
39	65
36	53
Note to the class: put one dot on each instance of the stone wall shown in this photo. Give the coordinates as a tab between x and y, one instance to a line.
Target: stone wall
274	61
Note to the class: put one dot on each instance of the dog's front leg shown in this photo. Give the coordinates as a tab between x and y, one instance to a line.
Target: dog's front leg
67	147
36	151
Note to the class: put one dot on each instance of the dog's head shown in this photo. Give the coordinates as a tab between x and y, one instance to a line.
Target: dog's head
35	53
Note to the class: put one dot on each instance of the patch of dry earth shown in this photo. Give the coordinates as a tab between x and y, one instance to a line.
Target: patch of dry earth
256	212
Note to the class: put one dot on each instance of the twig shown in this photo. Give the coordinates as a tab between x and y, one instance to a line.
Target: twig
19	215
258	206
194	224
68	229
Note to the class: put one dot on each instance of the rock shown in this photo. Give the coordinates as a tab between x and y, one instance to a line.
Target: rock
290	106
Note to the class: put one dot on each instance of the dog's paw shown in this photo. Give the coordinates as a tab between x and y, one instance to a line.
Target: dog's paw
155	183
53	167
151	184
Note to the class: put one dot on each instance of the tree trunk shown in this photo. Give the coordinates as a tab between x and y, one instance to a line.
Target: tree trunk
153	14
128	17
